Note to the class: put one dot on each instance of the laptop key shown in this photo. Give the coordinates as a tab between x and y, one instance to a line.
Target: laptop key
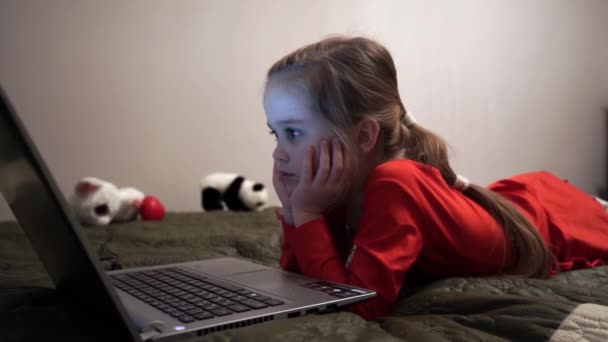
261	298
194	311
238	308
226	302
195	299
253	304
210	307
273	302
203	315
162	307
218	299
186	319
202	303
176	314
221	312
186	307
225	285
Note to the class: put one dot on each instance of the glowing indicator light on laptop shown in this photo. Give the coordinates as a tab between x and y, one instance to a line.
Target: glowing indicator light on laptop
180	327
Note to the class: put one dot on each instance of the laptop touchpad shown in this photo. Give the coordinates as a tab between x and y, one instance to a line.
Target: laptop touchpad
225	266
277	282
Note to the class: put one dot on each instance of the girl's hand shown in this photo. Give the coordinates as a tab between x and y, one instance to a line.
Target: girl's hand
281	189
317	193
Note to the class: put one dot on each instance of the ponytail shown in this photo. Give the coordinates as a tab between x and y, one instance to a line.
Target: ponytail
533	257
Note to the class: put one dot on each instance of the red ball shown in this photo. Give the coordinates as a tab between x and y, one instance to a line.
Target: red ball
151	209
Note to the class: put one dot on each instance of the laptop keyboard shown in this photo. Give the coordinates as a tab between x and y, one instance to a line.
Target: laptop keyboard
188	296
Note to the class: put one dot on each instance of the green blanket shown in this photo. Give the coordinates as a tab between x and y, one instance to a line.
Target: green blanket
457	309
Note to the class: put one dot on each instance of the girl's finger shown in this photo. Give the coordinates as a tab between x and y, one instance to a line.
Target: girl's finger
306	172
324	164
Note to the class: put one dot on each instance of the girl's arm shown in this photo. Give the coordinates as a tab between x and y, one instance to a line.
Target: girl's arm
386	245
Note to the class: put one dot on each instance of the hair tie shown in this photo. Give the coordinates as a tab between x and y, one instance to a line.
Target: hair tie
409	120
461	183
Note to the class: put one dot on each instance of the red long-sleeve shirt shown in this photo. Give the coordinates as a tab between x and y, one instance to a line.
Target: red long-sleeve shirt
411	216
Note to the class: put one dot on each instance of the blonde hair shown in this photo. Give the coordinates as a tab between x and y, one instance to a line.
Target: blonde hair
350	79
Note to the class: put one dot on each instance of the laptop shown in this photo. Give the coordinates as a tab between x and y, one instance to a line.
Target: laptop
164	302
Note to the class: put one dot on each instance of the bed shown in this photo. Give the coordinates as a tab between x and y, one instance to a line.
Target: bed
567	307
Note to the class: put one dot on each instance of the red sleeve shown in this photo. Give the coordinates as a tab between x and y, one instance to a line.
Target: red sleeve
288	259
387	244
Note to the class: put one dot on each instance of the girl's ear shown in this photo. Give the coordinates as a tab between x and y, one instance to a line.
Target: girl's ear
368	132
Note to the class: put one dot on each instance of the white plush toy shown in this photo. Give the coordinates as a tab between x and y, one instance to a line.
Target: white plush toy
98	202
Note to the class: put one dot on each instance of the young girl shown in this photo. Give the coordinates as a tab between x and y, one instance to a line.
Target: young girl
368	195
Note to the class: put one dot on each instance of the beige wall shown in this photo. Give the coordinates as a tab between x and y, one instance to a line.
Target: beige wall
156	94
603	57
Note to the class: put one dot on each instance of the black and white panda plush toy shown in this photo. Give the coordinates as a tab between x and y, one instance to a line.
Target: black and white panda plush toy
230	191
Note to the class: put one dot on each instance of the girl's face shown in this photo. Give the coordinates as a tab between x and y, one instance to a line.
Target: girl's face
292	120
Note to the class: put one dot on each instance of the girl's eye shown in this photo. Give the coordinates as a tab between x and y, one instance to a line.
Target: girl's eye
292	133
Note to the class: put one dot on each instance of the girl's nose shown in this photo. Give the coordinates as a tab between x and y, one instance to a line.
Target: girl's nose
279	155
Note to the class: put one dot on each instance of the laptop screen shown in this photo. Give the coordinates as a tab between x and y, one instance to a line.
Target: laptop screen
55	235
